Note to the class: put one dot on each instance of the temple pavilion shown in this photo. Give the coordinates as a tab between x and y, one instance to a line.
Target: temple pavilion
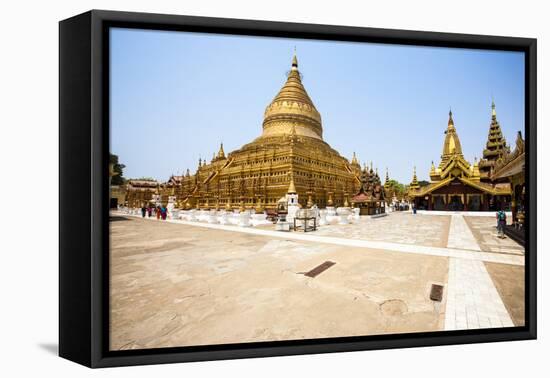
456	184
371	196
289	150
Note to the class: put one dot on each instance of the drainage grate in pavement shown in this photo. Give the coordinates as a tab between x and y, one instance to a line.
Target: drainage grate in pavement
436	294
319	269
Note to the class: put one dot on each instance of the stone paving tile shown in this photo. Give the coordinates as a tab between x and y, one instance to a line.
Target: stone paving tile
485	233
403	228
472	299
460	235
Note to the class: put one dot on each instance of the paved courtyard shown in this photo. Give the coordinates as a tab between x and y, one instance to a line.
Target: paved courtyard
485	233
177	283
410	229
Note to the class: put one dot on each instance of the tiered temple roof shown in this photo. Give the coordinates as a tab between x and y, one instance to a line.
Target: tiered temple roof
371	189
495	147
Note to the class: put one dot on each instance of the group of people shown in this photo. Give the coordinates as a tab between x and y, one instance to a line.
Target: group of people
159	211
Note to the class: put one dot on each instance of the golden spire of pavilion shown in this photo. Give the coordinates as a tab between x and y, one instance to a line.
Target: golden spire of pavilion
451	123
414	183
493	110
451	145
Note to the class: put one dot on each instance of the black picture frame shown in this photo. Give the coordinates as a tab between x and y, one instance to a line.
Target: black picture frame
84	193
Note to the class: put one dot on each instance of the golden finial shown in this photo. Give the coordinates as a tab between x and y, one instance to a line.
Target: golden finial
221	153
493	109
294	61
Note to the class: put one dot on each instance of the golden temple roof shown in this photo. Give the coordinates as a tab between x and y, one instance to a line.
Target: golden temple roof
292	107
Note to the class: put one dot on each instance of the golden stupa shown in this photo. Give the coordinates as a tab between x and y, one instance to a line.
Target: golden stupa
289	152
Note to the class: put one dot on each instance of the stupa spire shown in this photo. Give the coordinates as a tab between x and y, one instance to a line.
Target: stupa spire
387	180
354	160
451	146
221	152
451	123
292	106
291	186
414	183
294	66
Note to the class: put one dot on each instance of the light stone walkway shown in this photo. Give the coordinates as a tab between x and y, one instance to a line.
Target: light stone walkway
402	228
460	235
472	299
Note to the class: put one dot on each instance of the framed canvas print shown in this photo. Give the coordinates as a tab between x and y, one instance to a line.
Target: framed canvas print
234	188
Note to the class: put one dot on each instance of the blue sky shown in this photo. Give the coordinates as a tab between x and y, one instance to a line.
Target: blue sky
175	96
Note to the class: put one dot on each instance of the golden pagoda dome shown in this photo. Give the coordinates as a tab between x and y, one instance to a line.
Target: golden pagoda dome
292	109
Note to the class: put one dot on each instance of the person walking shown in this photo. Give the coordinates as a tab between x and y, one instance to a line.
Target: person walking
501	219
157	209
163	212
149	211
143	211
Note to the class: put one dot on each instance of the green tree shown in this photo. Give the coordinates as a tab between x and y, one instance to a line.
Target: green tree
397	188
423	183
118	168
